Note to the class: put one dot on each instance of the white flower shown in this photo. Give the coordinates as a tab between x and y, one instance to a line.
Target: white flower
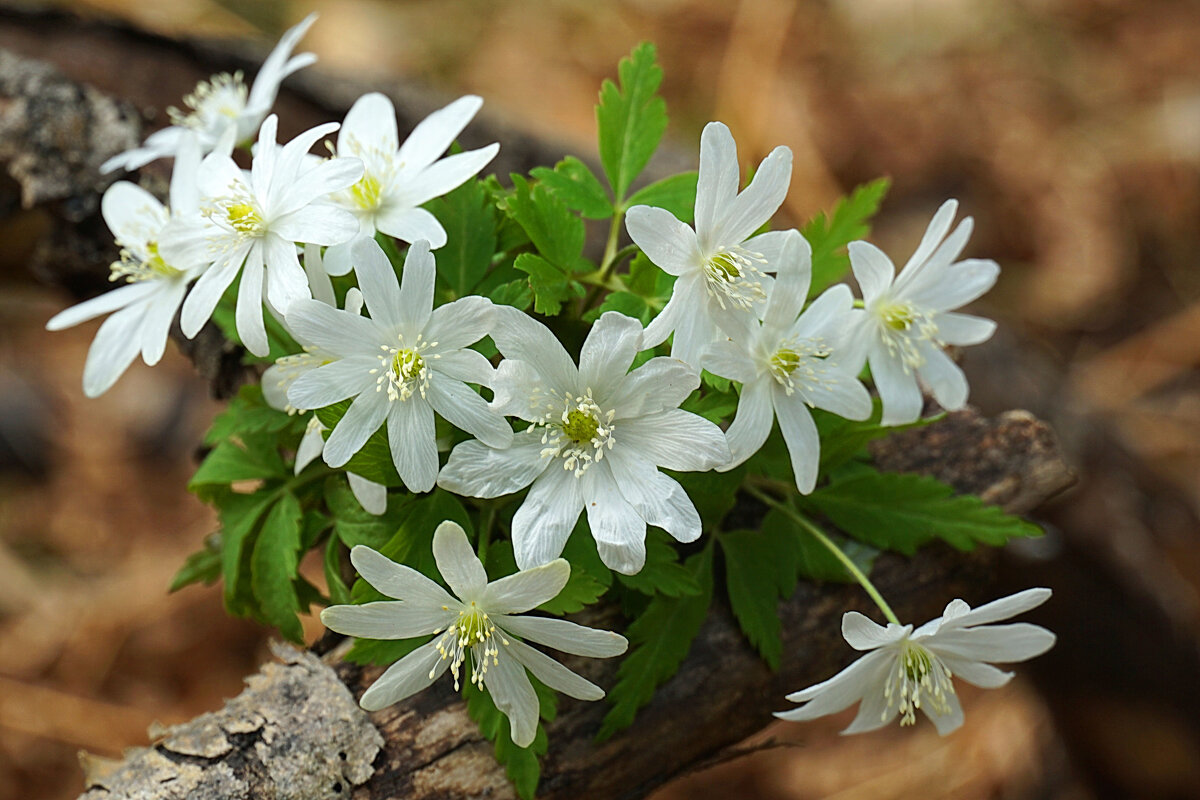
220	104
250	223
405	362
787	365
909	316
144	308
907	670
399	178
598	436
479	624
721	285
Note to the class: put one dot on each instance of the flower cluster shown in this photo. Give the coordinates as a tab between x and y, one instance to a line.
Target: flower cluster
408	380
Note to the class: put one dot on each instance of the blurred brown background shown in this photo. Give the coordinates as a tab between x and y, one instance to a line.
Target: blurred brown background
1070	130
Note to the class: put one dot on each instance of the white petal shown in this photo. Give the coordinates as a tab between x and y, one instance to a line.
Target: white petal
112	351
552	673
619	530
518	336
321	288
791	285
412	225
457	562
839	692
362	419
843	394
275	67
386	619
476	470
286	280
863	633
338	259
434	134
370	124
333	330
447	174
296	181
828	316
413	442
460	323
875	711
732	360
695	329
513	694
249	312
939	226
377	279
105	303
658	498
608	352
800	434
463	408
996	610
205	295
370	495
752	424
322	224
416	287
134	216
312	444
1017	641
324	179
529	588
757	202
949	722
945	379
518	390
717	184
668	243
332	383
985	676
964	329
964	282
397	580
872	269
544	521
664	323
262	168
675	439
469	366
405	678
565	636
898	389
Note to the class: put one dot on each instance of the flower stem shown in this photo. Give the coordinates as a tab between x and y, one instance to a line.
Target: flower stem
820	536
611	256
485	531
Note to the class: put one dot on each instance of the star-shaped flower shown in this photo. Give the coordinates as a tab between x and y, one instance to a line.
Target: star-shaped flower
906	670
598	436
399	178
250	223
721	269
405	362
790	363
483	623
909	316
222	103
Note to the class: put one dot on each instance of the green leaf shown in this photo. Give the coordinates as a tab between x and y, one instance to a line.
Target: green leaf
760	568
373	461
256	459
203	566
353	524
279	341
901	512
573	182
844	439
713	493
663	574
630	119
240	515
381	652
249	413
713	405
557	234
649	289
516	293
829	235
274	564
676	194
521	763
339	592
660	639
412	543
551	286
469	218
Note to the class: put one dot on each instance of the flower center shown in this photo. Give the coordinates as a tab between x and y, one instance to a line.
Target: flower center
379	170
134	269
803	365
367	193
475	633
733	276
920	678
215	101
580	432
904	328
244	218
404	369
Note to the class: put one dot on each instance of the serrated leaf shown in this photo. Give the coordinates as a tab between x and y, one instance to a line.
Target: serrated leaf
663	573
203	566
551	286
381	652
353	524
520	763
830	234
515	293
557	234
843	439
256	459
339	592
573	182
713	493
469	218
373	460
630	119
660	639
676	194
240	515
274	563
901	512
248	412
759	571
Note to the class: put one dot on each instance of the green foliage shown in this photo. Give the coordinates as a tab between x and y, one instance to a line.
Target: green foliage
469	218
844	439
647	291
630	118
903	512
273	566
248	412
676	194
830	234
574	183
256	458
203	566
551	287
713	493
662	574
659	640
558	236
374	460
279	340
521	763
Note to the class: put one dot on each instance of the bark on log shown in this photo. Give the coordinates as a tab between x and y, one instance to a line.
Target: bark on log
295	732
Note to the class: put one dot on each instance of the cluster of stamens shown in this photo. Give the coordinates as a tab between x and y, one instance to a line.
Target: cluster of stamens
403	371
802	364
134	269
289	368
904	328
472	632
224	96
237	213
580	432
920	678
368	194
733	276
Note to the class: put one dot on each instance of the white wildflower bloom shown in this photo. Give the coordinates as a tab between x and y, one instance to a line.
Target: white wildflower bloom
251	222
792	362
598	436
910	318
405	362
399	178
482	622
721	284
144	308
222	104
906	670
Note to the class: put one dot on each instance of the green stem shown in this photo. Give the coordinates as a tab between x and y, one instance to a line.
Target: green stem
820	536
610	258
485	531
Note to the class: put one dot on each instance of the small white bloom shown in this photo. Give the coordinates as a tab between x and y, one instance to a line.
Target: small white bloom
907	670
400	365
909	316
598	436
787	365
250	223
479	624
144	308
399	178
722	282
220	104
